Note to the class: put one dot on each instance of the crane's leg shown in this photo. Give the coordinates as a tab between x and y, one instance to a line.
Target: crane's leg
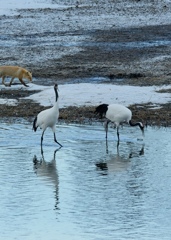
117	145
56	140
118	136
42	142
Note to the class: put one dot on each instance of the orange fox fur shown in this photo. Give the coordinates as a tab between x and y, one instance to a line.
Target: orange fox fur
14	72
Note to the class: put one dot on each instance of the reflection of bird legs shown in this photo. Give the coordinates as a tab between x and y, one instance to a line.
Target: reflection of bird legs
117	162
56	191
54	155
140	153
36	161
57	198
47	171
107	146
54	151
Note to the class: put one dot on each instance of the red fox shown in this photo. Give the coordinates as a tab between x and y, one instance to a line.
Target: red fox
14	72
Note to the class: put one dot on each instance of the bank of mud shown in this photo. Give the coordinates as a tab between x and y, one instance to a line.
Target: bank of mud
28	109
119	41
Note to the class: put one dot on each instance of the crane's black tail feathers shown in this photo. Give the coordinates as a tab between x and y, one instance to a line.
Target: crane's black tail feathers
34	124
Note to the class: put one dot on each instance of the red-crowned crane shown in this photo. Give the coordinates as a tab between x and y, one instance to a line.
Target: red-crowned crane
48	118
117	114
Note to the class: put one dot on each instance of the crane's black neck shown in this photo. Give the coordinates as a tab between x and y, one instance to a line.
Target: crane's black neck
56	93
141	126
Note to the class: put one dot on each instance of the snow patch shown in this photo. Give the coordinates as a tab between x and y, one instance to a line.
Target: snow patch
88	94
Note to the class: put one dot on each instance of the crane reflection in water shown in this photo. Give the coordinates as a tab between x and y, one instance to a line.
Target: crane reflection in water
119	161
48	172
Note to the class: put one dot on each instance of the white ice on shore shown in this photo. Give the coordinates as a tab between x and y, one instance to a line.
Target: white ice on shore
92	94
89	94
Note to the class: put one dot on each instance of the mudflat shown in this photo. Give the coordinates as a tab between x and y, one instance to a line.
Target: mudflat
126	42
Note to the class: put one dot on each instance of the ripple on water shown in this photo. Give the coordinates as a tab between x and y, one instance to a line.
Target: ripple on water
87	189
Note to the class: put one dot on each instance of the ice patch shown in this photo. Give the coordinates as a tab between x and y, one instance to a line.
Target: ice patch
88	94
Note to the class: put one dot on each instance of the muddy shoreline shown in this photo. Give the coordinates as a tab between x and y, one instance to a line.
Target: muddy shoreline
28	109
57	44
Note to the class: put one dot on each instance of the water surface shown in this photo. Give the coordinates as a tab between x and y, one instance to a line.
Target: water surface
85	190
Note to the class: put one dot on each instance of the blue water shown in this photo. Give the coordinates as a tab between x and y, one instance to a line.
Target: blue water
85	190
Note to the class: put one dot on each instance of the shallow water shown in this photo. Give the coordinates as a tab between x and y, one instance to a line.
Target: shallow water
87	190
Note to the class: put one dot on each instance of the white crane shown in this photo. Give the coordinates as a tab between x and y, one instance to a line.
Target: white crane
48	118
117	114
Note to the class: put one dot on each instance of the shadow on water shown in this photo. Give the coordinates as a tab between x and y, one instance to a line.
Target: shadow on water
48	172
